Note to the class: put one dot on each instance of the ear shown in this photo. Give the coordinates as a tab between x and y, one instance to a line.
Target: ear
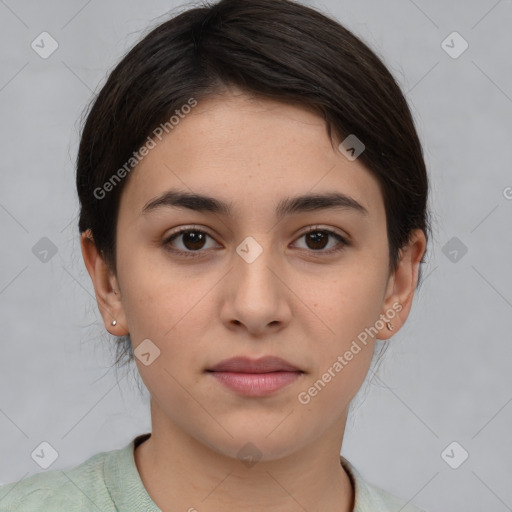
402	285
108	295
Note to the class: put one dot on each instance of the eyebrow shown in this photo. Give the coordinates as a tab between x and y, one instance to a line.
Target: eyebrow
287	206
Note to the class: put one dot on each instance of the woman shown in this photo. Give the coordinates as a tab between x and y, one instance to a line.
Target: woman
253	218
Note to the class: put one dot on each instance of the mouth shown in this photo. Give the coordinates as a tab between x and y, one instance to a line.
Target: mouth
264	364
255	377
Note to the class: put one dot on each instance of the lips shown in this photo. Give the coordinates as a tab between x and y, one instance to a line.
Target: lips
265	364
255	377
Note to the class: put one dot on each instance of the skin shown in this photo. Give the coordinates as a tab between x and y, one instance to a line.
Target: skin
292	301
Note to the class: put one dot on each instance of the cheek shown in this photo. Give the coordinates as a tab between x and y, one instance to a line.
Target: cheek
348	308
343	353
338	381
143	294
168	307
351	301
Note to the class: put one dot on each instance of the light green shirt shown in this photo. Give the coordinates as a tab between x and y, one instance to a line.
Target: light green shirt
110	482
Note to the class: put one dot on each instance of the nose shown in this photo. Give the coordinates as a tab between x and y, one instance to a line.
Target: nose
256	297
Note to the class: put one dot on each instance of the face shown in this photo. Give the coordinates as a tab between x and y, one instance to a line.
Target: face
244	281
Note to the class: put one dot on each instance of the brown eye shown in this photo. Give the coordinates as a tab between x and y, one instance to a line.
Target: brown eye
318	239
187	240
193	240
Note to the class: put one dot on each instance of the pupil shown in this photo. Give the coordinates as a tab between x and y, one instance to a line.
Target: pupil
318	237
193	240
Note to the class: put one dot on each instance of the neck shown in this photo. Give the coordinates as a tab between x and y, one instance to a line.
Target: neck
181	473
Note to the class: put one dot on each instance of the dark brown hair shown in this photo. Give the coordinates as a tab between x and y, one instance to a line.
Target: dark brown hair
277	49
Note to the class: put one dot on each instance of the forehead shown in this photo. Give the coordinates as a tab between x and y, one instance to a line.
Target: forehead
248	151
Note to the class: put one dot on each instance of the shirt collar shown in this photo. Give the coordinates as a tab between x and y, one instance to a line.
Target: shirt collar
127	490
123	480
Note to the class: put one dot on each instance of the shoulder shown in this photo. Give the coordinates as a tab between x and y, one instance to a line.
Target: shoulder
385	501
77	489
370	498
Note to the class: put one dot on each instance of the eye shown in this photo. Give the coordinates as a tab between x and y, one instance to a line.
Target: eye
191	240
317	239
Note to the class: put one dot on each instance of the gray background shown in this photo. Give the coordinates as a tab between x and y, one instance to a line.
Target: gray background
447	374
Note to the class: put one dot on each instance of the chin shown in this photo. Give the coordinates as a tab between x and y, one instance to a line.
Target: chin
253	444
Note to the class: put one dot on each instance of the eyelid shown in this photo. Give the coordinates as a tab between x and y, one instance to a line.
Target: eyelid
328	229
186	229
343	239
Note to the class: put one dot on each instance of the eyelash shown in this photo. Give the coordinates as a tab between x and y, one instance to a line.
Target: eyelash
198	254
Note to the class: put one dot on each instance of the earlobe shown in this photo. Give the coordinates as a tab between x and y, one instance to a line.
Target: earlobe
105	285
402	285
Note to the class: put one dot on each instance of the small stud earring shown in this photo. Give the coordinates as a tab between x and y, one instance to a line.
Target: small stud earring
114	322
389	326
